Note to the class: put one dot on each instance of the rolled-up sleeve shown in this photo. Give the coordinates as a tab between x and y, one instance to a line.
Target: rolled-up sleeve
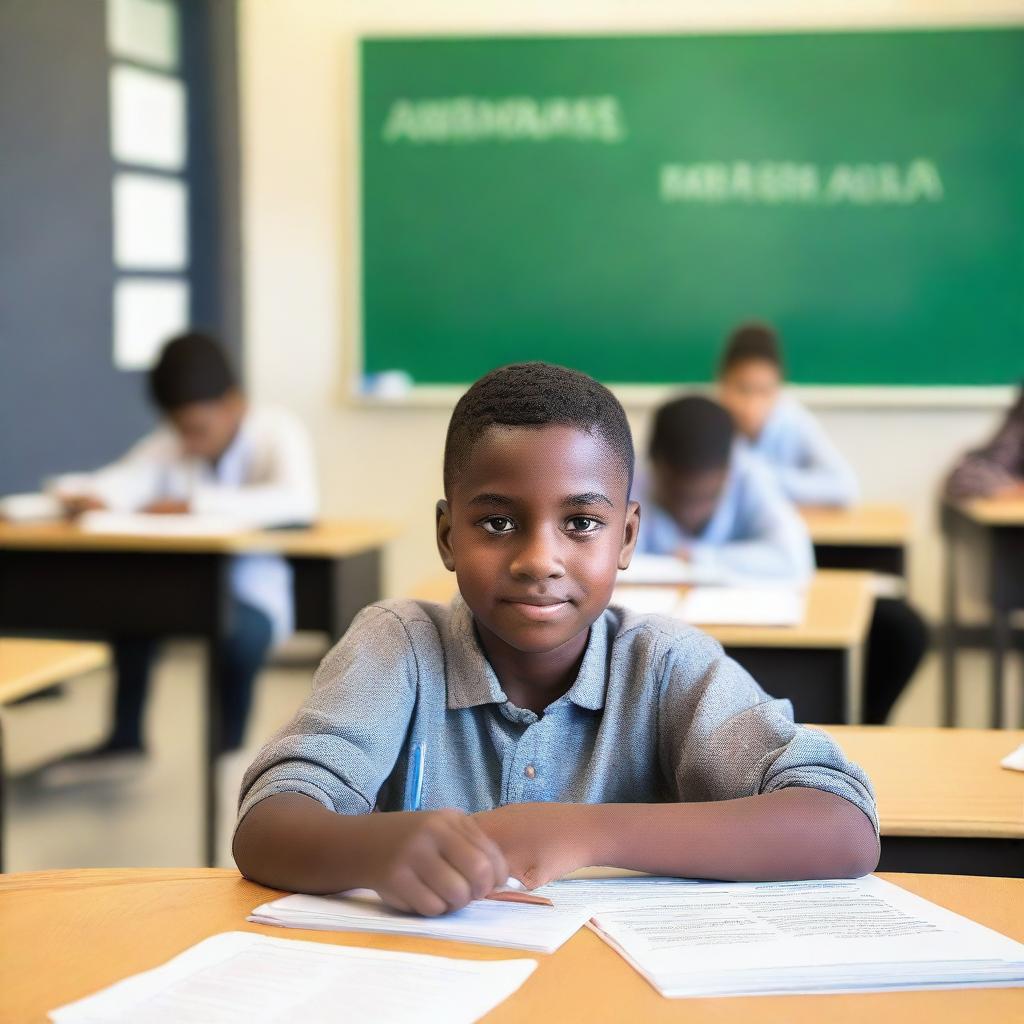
722	737
342	744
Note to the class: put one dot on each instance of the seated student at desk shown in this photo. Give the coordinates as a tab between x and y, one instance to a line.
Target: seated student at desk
811	471
212	455
995	470
709	502
548	731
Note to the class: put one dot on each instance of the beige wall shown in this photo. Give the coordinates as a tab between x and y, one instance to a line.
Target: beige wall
298	158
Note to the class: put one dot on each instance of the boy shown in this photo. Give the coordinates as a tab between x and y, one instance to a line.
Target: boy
775	426
212	455
811	471
559	732
712	504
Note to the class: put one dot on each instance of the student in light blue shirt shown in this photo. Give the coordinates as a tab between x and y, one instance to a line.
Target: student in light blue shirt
711	503
811	471
776	426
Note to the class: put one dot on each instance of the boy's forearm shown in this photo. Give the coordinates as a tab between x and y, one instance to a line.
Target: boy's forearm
789	834
292	842
792	833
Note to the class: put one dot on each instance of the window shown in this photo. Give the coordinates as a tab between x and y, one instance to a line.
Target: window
148	143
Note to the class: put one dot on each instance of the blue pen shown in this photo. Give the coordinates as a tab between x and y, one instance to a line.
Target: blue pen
417	766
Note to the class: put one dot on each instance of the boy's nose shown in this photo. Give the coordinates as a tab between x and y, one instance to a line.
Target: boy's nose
538	558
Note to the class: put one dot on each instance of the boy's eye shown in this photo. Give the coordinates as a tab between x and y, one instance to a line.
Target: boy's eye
583	524
498	524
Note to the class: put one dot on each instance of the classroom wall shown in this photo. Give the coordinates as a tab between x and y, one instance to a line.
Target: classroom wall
297	93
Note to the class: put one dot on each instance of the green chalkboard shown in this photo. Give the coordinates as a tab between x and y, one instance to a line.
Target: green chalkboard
618	203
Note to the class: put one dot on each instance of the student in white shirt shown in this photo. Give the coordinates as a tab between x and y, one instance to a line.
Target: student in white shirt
710	503
212	455
811	470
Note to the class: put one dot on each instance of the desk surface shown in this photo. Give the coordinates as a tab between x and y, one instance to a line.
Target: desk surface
994	511
99	926
839	605
327	539
940	782
859	526
30	665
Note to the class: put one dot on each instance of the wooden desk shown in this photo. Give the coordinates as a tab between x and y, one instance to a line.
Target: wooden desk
67	934
27	666
57	580
813	664
993	531
870	537
944	803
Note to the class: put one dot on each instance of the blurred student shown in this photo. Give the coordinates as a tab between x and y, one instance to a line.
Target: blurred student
709	502
811	470
995	470
776	426
212	455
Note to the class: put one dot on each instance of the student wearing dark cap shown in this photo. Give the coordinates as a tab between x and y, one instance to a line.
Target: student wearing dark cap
212	455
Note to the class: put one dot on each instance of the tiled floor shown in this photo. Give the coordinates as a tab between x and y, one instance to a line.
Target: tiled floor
151	816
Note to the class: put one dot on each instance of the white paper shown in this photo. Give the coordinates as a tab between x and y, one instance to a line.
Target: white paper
661	569
647	600
844	935
142	525
245	978
512	925
27	508
1015	759
742	606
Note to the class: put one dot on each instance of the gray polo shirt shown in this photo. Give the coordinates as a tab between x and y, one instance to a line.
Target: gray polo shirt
658	713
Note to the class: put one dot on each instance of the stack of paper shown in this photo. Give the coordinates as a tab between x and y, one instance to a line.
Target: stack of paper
742	606
513	925
173	525
240	976
663	569
861	935
717	606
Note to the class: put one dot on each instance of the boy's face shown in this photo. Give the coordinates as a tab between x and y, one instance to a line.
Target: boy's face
207	428
535	528
749	390
690	498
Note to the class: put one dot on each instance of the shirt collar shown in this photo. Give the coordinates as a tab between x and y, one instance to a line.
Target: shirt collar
471	681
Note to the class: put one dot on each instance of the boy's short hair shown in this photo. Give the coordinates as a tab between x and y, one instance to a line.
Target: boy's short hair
536	395
750	342
692	434
192	367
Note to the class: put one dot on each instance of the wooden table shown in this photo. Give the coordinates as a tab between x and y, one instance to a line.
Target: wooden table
67	934
993	530
814	664
27	666
944	802
56	579
871	537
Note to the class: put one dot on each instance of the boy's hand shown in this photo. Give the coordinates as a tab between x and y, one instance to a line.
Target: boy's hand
433	862
78	504
541	841
166	507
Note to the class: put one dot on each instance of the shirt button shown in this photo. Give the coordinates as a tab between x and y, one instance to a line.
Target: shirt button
530	772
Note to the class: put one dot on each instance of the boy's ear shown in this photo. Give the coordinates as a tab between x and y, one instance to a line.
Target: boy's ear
630	534
444	530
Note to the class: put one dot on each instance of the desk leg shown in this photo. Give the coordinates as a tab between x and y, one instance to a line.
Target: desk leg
949	636
1000	645
214	700
3	796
